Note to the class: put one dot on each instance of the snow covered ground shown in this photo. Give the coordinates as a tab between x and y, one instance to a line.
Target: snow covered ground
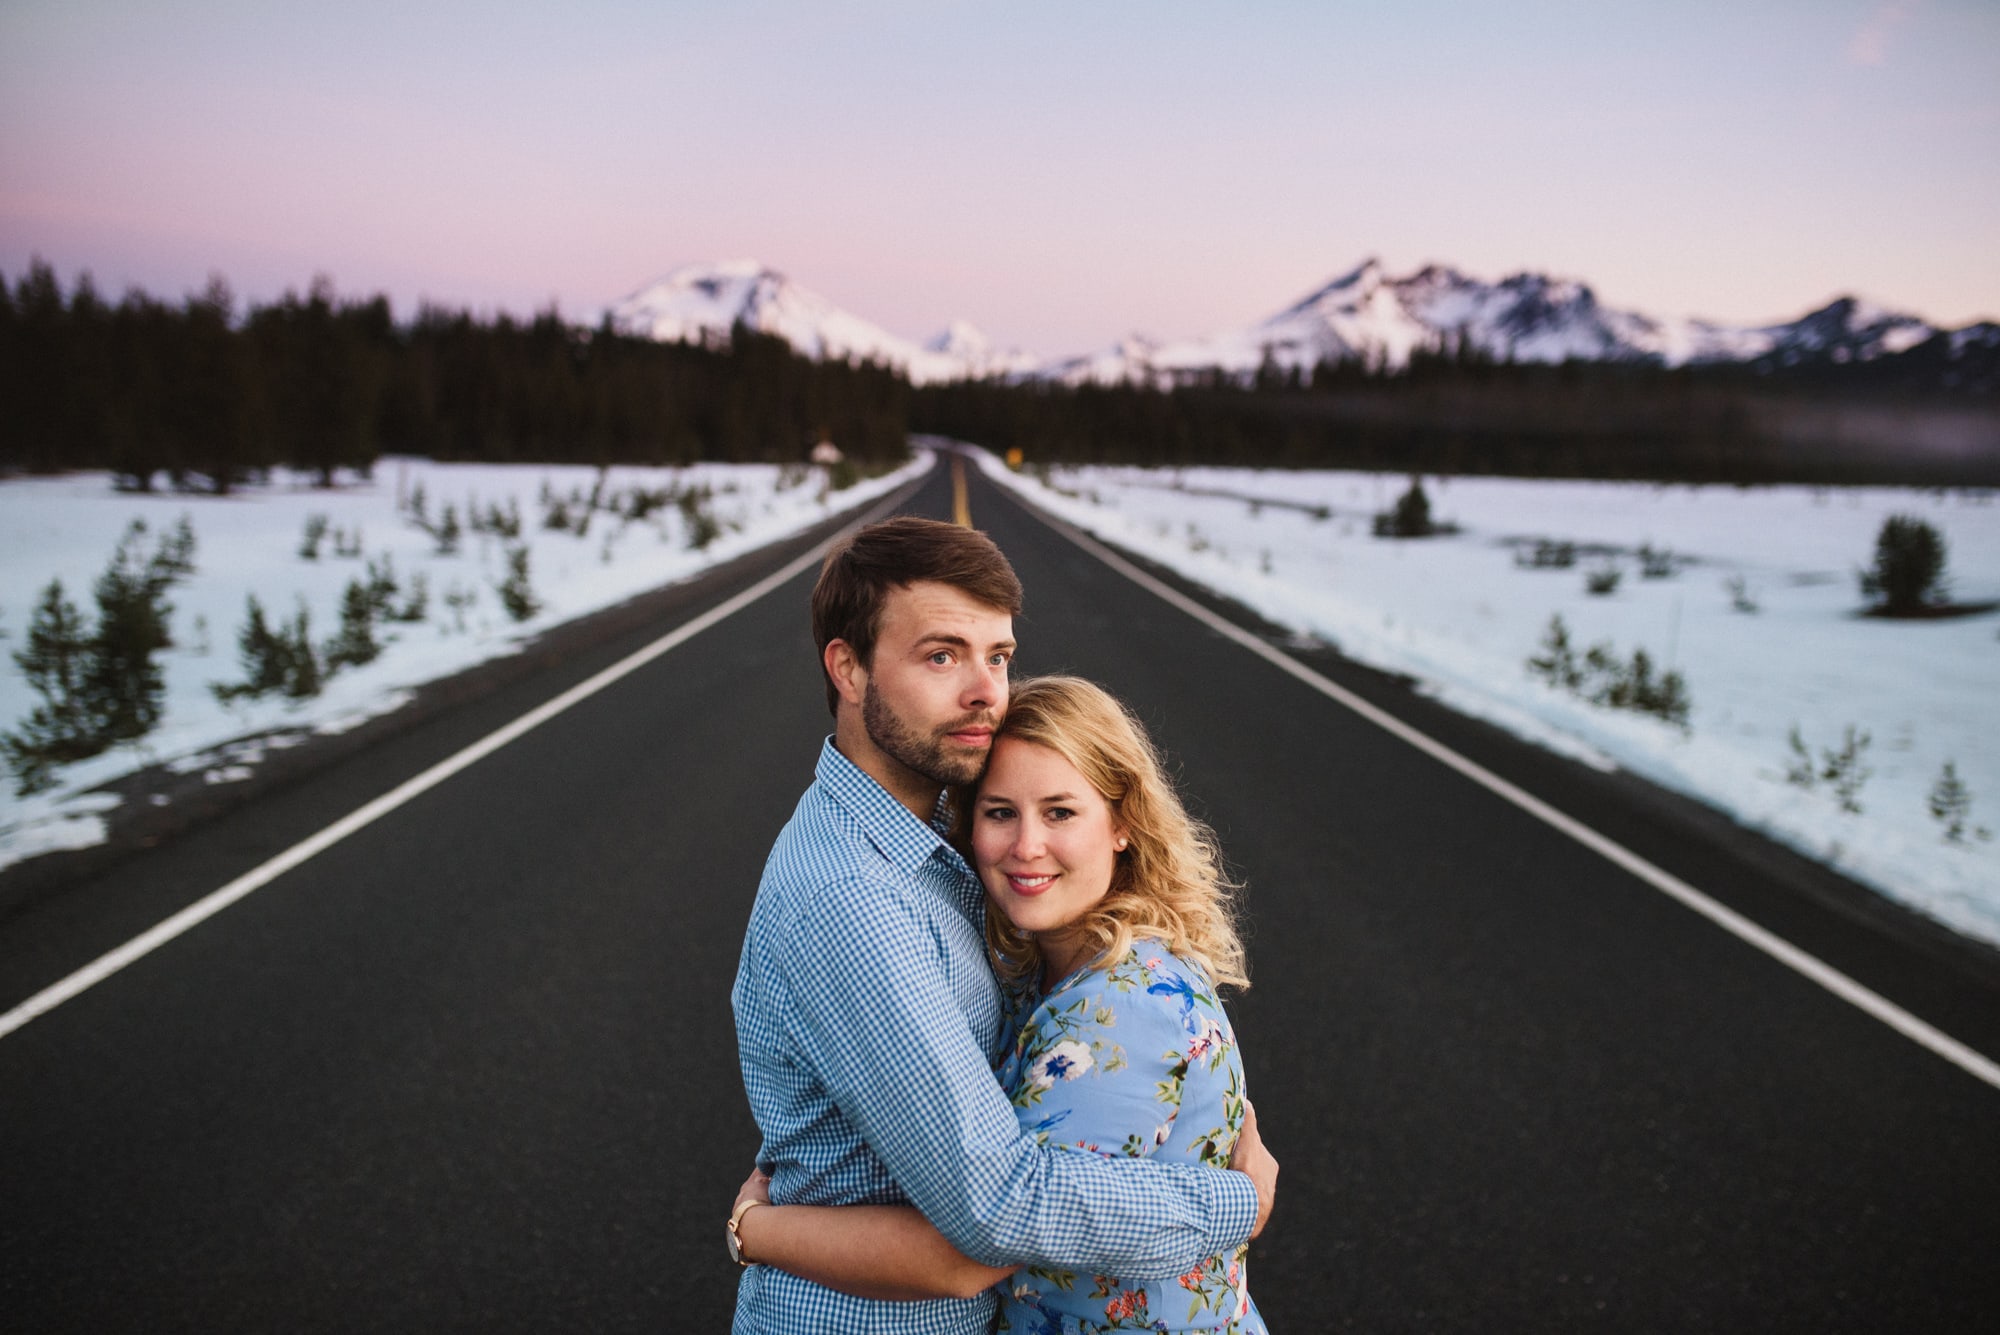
247	544
1462	616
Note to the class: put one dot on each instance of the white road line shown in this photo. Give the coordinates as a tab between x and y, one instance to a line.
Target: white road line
1888	1012
216	901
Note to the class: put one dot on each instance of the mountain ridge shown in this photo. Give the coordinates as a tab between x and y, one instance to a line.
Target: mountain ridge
1363	315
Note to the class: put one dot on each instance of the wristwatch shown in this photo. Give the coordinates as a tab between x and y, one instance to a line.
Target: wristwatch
735	1241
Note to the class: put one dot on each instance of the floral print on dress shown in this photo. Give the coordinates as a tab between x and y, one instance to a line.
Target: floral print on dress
1134	1060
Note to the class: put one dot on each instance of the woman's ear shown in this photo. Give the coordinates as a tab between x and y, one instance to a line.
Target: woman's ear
845	671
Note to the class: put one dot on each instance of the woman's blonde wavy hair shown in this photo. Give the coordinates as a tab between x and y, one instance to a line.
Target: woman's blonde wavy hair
1168	883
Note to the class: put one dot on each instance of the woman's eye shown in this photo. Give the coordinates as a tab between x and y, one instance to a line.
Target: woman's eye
1060	813
999	813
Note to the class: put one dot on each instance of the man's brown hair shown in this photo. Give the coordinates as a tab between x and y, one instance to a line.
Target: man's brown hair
857	575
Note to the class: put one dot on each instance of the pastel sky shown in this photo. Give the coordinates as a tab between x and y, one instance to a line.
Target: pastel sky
1060	174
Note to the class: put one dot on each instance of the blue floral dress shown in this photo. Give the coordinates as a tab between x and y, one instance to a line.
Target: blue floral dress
1137	1059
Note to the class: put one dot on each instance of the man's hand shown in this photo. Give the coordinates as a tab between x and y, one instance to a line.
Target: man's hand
757	1187
1250	1157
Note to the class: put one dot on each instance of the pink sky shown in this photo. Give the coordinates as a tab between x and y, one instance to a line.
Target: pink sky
1059	175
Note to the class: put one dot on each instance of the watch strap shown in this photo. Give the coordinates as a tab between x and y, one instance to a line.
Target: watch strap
735	1236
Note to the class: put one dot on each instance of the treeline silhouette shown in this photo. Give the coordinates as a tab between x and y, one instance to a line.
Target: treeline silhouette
1454	410
191	395
196	396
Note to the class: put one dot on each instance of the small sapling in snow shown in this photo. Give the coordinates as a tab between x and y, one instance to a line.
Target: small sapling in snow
1841	770
697	519
1547	554
1800	769
1951	806
355	644
381	586
314	535
1602	678
459	600
448	532
1411	516
516	594
416	602
275	660
1557	663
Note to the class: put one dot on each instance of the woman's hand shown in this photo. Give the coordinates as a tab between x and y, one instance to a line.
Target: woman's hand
1250	1157
756	1187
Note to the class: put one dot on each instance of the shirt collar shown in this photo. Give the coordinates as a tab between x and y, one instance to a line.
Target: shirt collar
889	825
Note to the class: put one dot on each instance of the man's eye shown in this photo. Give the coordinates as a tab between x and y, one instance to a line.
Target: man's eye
942	657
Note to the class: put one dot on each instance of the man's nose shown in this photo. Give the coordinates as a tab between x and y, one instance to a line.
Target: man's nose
986	686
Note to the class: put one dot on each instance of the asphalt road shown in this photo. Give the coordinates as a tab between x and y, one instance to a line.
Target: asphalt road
473	1068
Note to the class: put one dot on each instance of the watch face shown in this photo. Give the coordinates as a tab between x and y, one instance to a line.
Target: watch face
735	1248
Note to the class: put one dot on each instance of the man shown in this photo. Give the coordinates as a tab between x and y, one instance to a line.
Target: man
867	1018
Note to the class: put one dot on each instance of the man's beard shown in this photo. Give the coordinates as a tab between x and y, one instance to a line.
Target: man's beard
931	756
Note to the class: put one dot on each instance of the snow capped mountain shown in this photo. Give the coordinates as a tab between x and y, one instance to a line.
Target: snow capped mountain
965	345
1846	330
697	302
1365	315
1368	316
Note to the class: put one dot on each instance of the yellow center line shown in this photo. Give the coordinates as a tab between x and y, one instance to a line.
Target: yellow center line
961	513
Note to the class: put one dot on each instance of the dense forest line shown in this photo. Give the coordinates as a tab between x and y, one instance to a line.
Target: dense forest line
200	395
1456	412
197	395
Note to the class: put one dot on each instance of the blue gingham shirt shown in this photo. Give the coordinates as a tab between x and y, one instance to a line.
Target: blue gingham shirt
868	1025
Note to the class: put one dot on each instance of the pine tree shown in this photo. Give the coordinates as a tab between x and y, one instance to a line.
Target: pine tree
1411	517
448	532
274	660
355	644
315	534
382	587
1951	805
266	662
515	593
304	676
1557	663
60	729
1908	573
123	686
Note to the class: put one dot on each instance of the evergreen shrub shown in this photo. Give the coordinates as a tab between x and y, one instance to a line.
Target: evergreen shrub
1908	574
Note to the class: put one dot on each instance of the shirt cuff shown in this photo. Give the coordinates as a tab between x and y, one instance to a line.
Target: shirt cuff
1232	1207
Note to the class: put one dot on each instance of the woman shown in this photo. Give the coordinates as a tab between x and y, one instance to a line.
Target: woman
1110	928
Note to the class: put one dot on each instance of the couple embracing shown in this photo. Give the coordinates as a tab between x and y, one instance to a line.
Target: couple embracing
976	1008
